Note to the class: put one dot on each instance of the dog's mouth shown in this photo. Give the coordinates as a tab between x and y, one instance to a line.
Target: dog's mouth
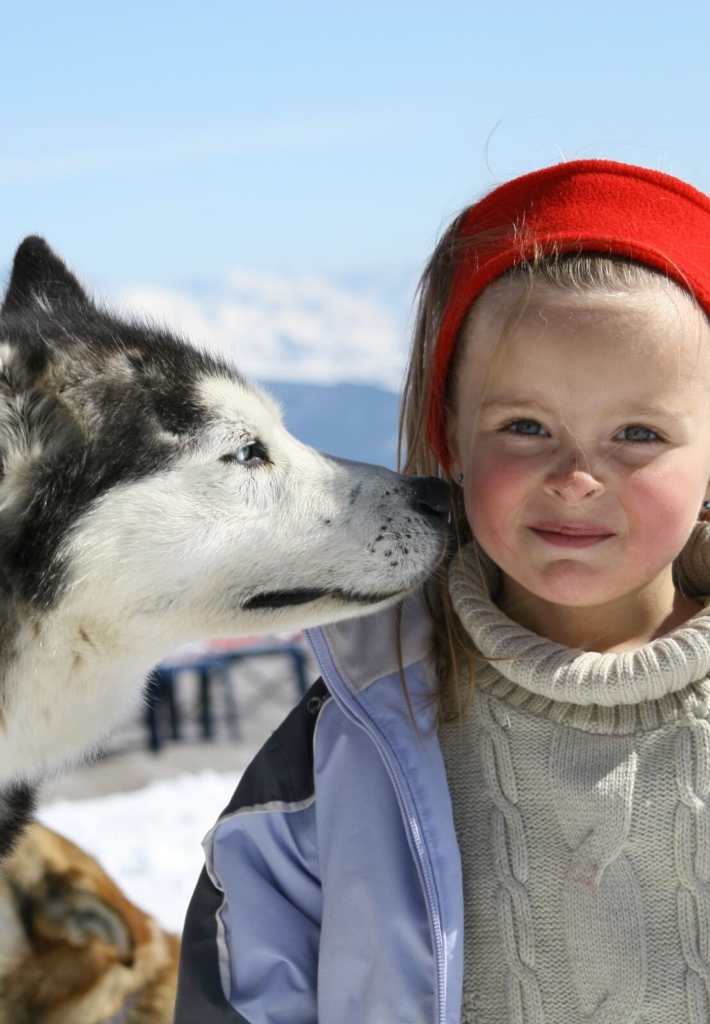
289	598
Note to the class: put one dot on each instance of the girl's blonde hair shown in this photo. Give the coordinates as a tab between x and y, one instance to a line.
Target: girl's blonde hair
572	273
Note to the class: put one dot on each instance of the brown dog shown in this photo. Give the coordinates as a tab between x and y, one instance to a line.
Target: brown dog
73	949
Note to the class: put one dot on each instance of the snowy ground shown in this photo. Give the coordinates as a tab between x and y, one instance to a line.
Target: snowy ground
149	840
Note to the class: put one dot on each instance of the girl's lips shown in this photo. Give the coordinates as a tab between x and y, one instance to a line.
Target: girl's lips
568	536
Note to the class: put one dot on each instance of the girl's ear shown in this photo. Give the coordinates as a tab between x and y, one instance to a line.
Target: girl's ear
705	507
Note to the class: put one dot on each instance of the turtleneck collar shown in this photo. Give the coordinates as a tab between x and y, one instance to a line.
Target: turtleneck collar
549	670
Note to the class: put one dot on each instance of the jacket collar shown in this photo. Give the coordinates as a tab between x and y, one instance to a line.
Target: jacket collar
366	649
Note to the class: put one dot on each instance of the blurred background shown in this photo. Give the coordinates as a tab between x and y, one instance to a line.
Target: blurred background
270	178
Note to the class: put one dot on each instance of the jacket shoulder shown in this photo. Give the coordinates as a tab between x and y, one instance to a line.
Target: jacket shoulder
282	771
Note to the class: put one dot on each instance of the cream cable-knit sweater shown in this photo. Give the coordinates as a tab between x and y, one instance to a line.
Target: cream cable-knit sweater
581	793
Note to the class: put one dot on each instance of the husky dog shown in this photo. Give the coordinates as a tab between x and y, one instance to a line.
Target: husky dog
149	495
73	948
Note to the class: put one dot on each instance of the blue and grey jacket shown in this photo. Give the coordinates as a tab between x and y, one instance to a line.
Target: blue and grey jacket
332	886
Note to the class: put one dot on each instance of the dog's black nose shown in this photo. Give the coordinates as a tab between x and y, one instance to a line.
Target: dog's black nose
432	494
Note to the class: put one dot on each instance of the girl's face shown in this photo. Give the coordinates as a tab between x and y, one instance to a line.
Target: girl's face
584	441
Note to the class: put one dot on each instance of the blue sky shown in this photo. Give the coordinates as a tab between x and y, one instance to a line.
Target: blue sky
160	143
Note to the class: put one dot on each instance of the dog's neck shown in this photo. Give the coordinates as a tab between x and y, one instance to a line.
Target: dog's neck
71	679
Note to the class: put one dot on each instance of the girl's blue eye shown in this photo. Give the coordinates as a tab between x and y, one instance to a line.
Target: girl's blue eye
637	432
529	428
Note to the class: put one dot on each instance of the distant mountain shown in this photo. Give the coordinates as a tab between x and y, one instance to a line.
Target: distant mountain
353	421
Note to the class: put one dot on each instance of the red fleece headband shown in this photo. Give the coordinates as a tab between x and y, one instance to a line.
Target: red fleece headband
580	206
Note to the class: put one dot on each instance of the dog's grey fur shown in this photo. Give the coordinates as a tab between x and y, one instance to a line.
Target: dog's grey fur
150	495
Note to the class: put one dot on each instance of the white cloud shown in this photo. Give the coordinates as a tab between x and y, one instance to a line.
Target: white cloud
275	327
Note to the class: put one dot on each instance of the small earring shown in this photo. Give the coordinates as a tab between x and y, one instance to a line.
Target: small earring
706	506
459	481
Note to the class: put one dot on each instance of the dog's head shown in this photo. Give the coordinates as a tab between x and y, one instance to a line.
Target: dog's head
146	476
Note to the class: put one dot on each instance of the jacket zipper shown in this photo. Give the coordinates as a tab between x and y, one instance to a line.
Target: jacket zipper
352	708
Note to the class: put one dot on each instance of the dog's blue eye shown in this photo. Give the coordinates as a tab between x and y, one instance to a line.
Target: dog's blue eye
248	455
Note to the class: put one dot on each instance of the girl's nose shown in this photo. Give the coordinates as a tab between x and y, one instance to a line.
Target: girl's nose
574	484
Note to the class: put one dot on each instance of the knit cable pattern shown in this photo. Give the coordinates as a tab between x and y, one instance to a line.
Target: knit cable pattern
602	901
692	857
512	869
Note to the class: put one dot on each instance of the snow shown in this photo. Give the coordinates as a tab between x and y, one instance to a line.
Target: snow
149	840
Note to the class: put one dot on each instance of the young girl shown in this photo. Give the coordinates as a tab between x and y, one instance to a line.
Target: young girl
523	837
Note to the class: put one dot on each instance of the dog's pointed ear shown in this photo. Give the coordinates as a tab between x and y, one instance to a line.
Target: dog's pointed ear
40	278
74	915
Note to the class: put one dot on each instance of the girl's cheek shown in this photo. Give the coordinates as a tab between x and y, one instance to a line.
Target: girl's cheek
496	478
493	491
664	501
